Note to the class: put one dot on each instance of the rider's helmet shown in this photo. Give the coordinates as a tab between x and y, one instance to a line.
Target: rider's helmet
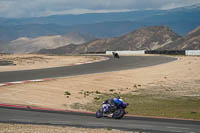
121	100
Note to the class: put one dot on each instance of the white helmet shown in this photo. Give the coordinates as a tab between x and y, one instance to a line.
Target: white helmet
121	100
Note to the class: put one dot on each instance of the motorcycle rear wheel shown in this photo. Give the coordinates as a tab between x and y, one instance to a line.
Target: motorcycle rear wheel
119	113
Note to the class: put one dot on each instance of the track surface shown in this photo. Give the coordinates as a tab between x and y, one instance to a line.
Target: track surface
30	116
98	67
88	120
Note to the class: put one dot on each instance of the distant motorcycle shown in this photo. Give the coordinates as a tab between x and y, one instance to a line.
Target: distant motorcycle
116	55
116	112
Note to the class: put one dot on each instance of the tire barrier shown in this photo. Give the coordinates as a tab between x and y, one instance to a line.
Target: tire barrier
166	52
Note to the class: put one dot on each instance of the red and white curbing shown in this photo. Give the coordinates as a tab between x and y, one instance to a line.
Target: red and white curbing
22	82
88	62
48	79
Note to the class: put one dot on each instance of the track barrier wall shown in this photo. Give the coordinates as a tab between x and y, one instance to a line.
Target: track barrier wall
166	52
126	52
192	52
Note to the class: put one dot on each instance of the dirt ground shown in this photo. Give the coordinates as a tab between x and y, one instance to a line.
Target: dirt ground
178	78
35	61
20	128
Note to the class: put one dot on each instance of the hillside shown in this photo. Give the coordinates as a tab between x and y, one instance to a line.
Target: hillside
189	42
29	45
146	38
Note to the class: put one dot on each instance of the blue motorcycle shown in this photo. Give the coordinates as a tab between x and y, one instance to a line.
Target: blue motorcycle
114	111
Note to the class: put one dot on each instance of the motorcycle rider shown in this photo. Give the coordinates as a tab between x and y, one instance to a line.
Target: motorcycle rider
117	100
115	55
111	104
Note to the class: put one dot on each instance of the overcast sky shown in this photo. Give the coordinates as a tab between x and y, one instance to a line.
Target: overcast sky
37	8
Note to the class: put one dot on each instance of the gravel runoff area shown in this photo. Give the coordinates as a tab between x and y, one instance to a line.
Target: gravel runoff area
16	62
26	128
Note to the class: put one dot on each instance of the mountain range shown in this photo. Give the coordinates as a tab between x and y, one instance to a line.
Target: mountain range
102	25
29	45
146	38
189	42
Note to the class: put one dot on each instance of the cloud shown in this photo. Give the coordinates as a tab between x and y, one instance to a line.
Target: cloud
83	11
36	8
177	3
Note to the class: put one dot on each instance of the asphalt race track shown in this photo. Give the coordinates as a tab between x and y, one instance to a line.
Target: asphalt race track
151	125
31	116
98	67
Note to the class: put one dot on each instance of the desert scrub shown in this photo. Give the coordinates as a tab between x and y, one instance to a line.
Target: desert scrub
155	105
111	90
77	106
87	93
96	98
97	92
67	93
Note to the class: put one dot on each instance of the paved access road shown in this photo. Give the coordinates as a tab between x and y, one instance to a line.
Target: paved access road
126	62
151	125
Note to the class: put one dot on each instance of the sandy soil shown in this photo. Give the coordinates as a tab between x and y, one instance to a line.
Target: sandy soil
35	61
178	78
19	128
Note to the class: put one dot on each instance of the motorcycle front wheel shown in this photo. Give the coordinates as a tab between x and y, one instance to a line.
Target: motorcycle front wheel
99	114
